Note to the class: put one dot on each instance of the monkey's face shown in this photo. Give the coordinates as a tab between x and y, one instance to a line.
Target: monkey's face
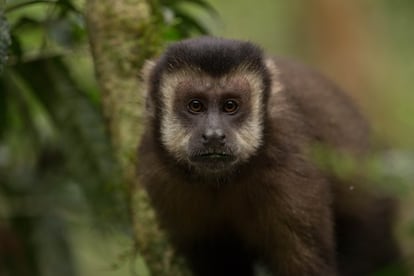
212	124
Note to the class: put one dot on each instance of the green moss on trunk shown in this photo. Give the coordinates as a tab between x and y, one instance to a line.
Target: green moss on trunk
123	34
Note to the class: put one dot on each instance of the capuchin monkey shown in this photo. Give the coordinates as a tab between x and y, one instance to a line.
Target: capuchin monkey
226	160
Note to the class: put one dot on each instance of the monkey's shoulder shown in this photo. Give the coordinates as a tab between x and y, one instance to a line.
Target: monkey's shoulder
328	112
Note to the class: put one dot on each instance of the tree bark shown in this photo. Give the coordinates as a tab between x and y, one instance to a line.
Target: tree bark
117	32
123	34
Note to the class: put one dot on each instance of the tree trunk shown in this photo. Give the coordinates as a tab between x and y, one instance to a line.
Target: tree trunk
123	34
118	39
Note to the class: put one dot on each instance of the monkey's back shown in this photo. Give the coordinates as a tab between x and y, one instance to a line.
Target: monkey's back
363	214
331	116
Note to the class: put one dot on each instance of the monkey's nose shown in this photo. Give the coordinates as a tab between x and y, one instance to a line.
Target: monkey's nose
213	137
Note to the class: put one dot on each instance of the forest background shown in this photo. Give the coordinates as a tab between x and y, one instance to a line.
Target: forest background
71	114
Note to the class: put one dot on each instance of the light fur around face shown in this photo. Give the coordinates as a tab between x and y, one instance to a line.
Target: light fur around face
249	137
175	136
276	87
145	81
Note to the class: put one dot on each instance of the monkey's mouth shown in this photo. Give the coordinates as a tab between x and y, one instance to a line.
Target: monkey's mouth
215	155
214	159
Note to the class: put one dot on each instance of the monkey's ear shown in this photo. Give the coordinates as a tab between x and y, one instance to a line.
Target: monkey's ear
145	78
273	70
147	69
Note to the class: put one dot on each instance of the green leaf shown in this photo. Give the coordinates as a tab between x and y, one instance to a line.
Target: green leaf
26	21
16	6
67	5
82	136
16	47
185	23
188	22
203	4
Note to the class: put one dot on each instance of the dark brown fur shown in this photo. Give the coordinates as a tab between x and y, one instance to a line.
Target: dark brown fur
278	209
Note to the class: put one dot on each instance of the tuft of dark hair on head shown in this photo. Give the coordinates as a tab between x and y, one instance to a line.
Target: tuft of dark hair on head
214	56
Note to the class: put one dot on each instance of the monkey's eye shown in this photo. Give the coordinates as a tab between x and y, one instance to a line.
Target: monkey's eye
230	106
195	106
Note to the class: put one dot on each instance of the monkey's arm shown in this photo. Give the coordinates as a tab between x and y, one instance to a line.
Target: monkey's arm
295	254
296	228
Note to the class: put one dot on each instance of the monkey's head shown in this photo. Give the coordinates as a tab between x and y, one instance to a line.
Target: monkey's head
207	101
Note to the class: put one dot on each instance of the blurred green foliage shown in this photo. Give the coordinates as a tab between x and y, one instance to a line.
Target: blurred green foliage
55	154
57	169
